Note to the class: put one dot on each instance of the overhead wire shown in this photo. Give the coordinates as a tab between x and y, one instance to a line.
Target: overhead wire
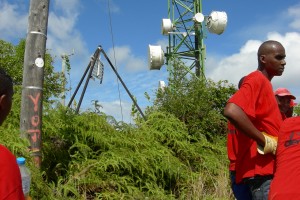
113	44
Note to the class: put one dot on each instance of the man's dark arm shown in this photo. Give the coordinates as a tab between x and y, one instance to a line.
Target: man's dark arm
241	121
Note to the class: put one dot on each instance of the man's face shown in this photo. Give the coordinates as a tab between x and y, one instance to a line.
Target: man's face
275	61
283	103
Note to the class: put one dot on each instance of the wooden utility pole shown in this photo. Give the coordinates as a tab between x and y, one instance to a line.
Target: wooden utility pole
33	77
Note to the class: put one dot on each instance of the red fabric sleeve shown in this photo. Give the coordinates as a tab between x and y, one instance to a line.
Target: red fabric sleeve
10	177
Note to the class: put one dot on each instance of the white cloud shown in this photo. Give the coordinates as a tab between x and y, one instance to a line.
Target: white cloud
136	64
126	59
290	77
61	27
13	23
69	7
63	37
113	7
163	43
120	111
232	68
121	53
294	13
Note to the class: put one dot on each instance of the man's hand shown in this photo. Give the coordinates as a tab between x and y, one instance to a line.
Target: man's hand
270	144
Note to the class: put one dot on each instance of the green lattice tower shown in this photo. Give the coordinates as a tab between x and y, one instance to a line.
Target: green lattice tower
186	41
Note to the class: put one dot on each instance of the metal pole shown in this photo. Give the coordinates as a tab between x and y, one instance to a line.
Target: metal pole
93	60
198	41
79	84
33	77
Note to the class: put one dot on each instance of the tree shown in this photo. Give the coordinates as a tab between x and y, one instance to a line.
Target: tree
12	59
197	103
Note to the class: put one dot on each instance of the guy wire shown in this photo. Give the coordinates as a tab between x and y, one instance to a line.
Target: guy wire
112	38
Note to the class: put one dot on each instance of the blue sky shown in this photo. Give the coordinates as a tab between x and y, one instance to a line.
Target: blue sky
125	29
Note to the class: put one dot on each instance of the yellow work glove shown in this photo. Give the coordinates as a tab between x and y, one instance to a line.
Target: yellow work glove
270	144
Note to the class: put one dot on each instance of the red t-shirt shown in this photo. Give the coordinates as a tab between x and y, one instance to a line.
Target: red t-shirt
256	98
231	145
285	184
10	177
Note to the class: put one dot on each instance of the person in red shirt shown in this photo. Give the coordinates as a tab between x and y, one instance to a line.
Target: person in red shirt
10	177
285	184
240	191
284	99
253	110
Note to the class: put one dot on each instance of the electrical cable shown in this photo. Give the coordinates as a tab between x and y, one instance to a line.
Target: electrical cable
112	38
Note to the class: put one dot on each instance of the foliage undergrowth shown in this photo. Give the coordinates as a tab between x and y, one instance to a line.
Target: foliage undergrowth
84	157
179	152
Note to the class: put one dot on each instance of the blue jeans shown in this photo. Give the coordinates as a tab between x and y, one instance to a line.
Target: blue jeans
259	186
240	191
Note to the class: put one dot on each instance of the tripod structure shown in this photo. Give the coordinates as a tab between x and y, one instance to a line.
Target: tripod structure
89	71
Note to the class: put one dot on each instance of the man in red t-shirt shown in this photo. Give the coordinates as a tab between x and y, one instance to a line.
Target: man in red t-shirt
253	110
10	177
284	99
285	184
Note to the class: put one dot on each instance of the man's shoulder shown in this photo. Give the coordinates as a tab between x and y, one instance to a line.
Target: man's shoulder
255	77
256	73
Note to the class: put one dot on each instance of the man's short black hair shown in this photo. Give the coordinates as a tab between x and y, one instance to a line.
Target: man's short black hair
6	82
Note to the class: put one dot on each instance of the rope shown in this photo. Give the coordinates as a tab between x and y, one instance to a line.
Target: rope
112	38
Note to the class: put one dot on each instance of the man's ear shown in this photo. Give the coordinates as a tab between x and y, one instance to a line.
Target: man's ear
262	58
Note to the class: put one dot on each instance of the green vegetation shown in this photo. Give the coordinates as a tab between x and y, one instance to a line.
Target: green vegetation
179	152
